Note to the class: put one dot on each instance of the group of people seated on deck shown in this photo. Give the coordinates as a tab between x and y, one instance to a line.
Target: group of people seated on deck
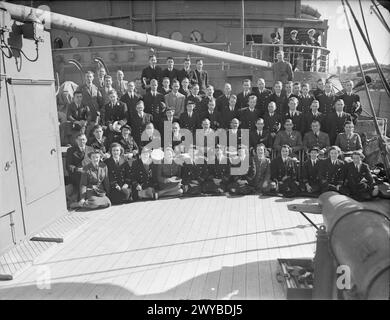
162	137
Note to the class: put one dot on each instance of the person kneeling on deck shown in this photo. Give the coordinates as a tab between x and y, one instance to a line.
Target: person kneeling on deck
168	175
262	170
193	173
118	175
359	183
94	184
284	174
141	176
331	171
310	170
241	173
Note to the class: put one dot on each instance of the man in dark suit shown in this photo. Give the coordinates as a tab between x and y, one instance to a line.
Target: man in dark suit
170	72
249	115
359	181
113	111
314	114
168	117
263	96
92	97
272	121
76	159
190	120
100	142
200	77
243	97
259	136
279	98
195	98
229	112
331	171
327	100
284	173
154	102
186	71
213	115
310	173
78	116
131	98
293	52
335	121
139	122
151	72
223	101
205	101
319	91
316	138
295	115
305	99
351	101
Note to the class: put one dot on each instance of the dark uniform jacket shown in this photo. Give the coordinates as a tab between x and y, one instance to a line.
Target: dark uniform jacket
297	119
354	178
171	74
118	174
111	113
153	105
138	125
128	145
326	103
222	102
228	115
256	138
184	74
262	99
150	74
248	118
78	114
242	101
215	119
280	169
131	103
332	174
335	124
197	100
191	123
350	101
200	78
304	103
141	174
272	123
310	173
102	145
280	101
309	117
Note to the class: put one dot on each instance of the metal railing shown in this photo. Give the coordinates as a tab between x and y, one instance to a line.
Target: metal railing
301	57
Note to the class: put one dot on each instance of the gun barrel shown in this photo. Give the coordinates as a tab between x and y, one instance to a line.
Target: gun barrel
359	239
63	22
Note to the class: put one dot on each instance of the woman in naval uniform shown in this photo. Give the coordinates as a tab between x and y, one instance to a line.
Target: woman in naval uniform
94	184
118	175
141	177
128	144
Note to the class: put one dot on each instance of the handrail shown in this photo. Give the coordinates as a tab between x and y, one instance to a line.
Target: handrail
303	46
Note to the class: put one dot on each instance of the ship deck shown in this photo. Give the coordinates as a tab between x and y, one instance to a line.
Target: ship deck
190	248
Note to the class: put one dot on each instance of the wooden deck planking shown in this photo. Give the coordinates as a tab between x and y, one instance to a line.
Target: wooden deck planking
196	248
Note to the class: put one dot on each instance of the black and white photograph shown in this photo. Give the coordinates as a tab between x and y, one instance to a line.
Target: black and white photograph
195	155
